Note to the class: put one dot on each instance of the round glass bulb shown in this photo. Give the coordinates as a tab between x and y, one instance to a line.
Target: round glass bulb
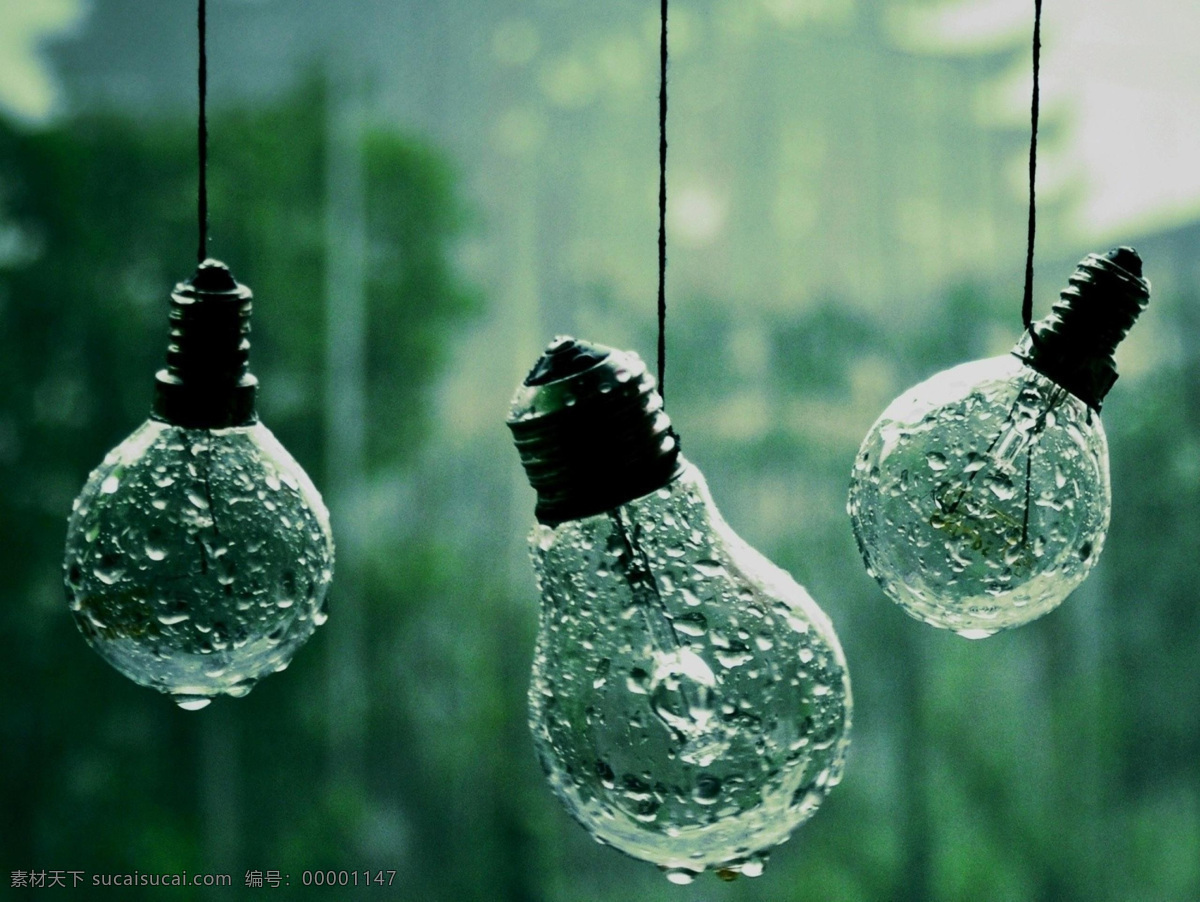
980	498
198	560
689	701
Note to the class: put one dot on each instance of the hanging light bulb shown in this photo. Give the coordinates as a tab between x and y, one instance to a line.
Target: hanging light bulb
689	701
199	552
980	498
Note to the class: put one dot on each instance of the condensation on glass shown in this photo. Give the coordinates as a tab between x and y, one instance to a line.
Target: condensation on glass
980	498
197	560
690	702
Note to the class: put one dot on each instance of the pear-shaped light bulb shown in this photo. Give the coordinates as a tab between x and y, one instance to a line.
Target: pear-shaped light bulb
199	552
980	498
689	701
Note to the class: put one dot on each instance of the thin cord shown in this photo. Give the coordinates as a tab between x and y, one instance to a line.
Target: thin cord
202	136
1027	303
662	205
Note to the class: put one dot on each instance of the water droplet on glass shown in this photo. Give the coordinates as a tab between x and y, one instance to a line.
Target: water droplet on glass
734	657
708	789
192	702
679	876
109	575
1001	486
663	709
638	682
989	541
975	633
754	865
693	623
168	582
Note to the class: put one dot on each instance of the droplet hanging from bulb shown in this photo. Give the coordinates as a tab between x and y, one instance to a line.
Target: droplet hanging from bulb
199	553
980	498
689	701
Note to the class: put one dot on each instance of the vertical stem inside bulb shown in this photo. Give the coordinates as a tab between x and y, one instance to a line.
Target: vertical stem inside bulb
1009	436
643	584
1028	475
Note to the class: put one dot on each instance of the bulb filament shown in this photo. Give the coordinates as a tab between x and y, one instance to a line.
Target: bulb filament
205	465
643	585
1014	436
682	686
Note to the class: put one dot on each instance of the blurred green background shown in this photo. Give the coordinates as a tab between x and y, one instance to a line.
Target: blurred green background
420	195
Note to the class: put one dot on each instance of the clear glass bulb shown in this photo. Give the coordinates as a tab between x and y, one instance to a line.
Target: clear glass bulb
980	498
197	560
689	702
199	552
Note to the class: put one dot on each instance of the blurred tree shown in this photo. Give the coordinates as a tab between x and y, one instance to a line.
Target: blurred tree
97	219
829	181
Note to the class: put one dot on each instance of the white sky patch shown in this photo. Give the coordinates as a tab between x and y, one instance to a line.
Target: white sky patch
1126	78
696	214
26	88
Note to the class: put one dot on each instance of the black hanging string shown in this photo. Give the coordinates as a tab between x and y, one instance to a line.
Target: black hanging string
1027	303
202	137
662	204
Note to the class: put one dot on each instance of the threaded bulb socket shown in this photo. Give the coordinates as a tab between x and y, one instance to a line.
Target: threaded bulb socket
590	428
1074	344
207	383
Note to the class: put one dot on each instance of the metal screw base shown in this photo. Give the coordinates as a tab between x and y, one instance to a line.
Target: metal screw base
207	383
1074	345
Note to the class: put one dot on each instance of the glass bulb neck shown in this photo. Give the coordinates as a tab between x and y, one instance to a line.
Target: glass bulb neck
591	431
207	383
1074	345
